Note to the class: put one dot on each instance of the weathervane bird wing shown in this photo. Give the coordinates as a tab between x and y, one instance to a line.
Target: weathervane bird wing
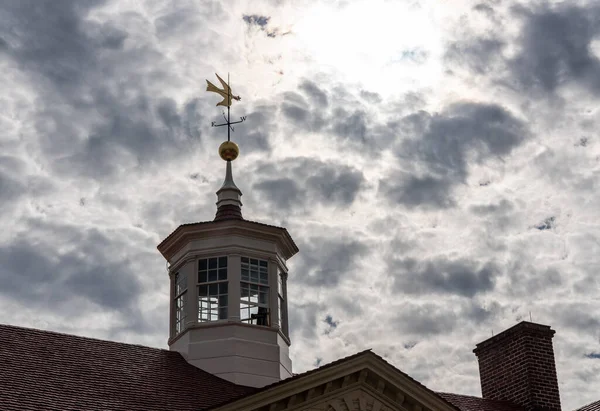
225	92
226	87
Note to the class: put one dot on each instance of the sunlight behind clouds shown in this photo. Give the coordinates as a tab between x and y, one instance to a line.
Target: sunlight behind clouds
385	46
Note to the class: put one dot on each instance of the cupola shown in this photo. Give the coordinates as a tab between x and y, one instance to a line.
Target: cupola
228	299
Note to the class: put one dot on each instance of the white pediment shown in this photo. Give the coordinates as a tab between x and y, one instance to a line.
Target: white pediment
356	400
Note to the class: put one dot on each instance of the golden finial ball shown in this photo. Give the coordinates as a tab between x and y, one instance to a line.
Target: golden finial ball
229	151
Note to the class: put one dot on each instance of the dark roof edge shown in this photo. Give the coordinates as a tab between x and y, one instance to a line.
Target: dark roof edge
82	337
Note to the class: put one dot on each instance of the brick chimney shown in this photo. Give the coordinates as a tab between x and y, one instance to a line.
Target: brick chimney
518	365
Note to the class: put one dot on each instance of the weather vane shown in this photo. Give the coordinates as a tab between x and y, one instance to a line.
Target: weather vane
228	150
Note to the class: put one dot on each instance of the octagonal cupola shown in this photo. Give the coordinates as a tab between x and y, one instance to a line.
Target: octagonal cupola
228	295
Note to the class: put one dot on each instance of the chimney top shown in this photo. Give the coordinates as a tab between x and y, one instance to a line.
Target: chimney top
522	327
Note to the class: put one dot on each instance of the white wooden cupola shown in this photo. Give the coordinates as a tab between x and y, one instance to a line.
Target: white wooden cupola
228	300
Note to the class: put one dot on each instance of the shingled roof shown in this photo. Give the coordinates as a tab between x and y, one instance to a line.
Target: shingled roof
594	406
469	403
43	370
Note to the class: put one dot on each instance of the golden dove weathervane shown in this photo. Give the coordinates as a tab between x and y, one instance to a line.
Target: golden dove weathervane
228	149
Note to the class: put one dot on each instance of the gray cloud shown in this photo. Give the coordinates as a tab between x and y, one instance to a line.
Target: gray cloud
284	192
423	320
445	144
503	207
415	191
581	317
555	47
47	277
317	95
523	278
296	108
337	113
350	126
326	261
10	188
370	96
442	276
258	128
309	181
477	54
80	69
303	319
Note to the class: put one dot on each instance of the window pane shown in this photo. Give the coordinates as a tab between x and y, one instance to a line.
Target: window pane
223	288
264	278
202	264
222	273
223	313
222	262
180	283
202	277
254	298
263	263
245	276
244	314
244	259
279	305
212	262
212	275
253	261
254	276
263	298
222	301
213	289
203	290
244	291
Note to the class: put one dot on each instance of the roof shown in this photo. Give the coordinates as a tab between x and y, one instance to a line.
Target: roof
460	402
199	223
164	244
595	406
48	370
44	370
469	403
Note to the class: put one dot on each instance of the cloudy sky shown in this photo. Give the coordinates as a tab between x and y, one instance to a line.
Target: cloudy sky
437	162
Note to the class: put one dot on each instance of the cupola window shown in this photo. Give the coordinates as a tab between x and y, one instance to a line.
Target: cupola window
254	291
212	289
179	301
281	302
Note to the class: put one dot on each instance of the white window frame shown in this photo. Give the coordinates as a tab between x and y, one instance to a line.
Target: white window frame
179	302
254	280
212	289
282	302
